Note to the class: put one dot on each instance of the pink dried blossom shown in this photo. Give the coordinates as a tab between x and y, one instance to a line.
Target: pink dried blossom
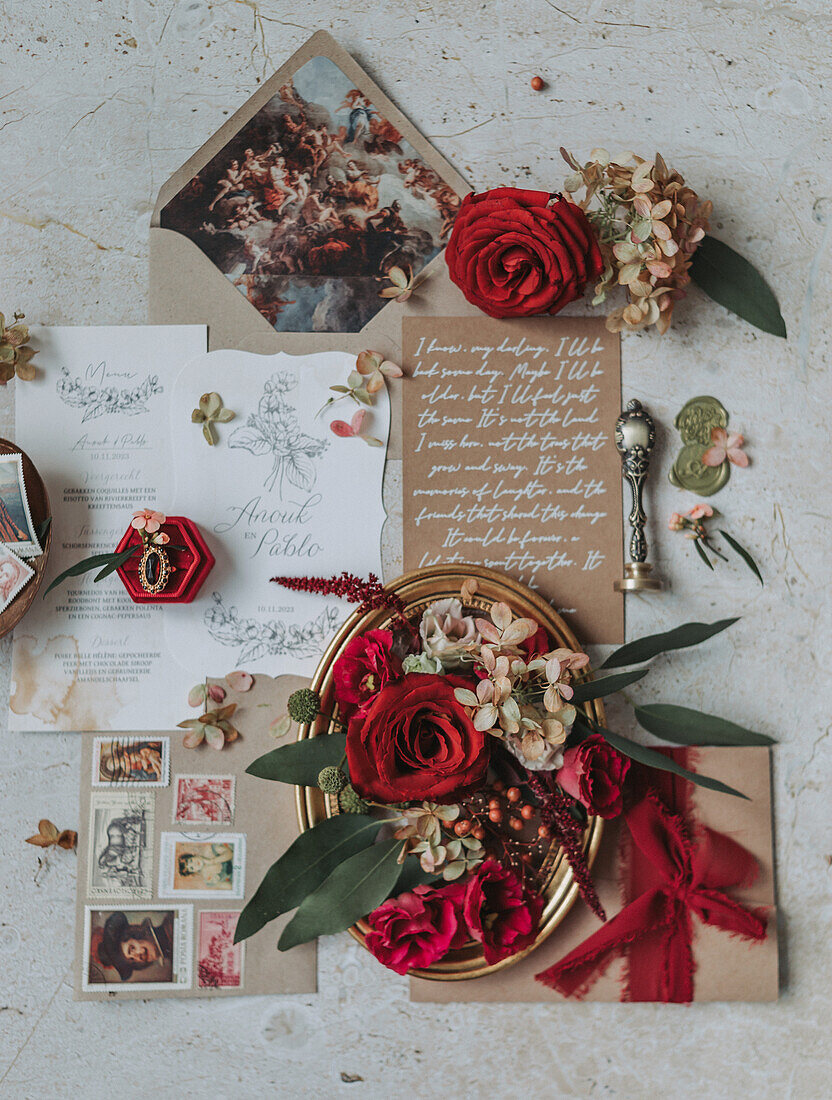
725	446
147	520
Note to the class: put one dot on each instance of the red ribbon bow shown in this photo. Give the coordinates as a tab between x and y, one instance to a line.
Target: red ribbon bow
670	878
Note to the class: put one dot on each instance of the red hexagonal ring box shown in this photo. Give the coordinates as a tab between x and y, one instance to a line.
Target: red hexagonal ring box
191	565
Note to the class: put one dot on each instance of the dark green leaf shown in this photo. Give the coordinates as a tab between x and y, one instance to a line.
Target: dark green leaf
304	866
690	727
653	759
115	561
680	638
353	890
701	552
736	284
743	553
607	685
301	761
88	564
42	529
411	875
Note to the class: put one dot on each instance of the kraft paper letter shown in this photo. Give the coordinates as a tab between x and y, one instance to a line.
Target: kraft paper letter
509	459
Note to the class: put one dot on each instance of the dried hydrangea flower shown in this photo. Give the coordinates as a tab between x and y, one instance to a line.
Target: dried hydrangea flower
15	354
211	410
402	284
649	224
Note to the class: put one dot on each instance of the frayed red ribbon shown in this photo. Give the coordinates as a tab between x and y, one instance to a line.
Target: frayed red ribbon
671	877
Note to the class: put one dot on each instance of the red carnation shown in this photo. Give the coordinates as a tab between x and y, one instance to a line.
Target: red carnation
418	928
499	913
414	740
516	253
593	773
364	668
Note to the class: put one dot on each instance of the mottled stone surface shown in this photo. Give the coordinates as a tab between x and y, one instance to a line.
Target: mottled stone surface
99	101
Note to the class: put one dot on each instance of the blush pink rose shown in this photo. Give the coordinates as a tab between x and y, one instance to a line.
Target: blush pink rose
593	773
416	929
499	913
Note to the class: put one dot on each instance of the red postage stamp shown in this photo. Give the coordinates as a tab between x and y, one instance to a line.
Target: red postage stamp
201	799
219	959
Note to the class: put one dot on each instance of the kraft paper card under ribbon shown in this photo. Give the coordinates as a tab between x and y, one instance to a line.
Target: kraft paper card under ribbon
726	967
146	806
509	459
375	158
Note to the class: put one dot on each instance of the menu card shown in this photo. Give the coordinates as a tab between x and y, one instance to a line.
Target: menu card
509	459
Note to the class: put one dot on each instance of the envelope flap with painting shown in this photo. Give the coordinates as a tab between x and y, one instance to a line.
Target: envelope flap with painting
295	214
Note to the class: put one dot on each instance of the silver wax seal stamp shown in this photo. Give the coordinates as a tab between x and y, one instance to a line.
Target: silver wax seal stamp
635	436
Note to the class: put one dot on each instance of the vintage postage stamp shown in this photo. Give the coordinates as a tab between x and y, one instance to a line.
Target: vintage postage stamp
202	865
149	947
139	760
14	575
120	859
16	528
219	960
203	799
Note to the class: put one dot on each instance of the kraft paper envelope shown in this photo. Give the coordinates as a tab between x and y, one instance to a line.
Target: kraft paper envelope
727	968
261	812
187	287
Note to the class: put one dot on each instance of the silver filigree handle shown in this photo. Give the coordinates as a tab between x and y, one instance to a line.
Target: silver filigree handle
635	436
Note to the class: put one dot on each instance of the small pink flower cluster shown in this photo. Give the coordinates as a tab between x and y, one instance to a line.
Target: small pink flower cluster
147	523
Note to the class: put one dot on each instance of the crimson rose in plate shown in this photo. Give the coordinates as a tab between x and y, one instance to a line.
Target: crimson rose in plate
416	929
593	773
514	254
364	668
499	913
415	741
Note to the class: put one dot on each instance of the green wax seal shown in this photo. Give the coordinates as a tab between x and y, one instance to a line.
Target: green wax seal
689	472
695	422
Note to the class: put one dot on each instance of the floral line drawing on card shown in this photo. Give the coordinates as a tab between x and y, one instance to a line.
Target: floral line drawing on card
275	429
260	639
98	400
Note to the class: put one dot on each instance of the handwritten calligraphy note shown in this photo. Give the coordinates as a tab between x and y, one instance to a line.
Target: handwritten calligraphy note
509	460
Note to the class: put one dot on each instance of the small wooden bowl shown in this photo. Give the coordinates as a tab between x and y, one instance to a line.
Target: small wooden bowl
39	508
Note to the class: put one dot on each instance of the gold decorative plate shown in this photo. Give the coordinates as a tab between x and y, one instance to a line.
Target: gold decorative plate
417	590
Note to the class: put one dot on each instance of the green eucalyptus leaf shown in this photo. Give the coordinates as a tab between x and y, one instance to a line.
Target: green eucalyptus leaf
652	759
302	868
607	685
643	649
685	726
353	890
744	554
701	552
412	874
731	281
86	565
42	529
301	761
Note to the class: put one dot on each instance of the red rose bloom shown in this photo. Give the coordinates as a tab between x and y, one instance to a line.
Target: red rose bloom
593	772
364	668
514	255
414	740
499	913
418	928
537	645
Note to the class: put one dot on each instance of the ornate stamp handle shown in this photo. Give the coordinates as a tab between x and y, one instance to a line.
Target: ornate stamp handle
635	436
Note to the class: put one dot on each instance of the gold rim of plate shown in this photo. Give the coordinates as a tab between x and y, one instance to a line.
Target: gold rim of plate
418	589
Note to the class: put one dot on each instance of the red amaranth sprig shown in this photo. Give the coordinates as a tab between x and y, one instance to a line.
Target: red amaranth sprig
369	594
555	812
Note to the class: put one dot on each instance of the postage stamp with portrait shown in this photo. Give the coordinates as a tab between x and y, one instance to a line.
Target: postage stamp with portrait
150	947
202	865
